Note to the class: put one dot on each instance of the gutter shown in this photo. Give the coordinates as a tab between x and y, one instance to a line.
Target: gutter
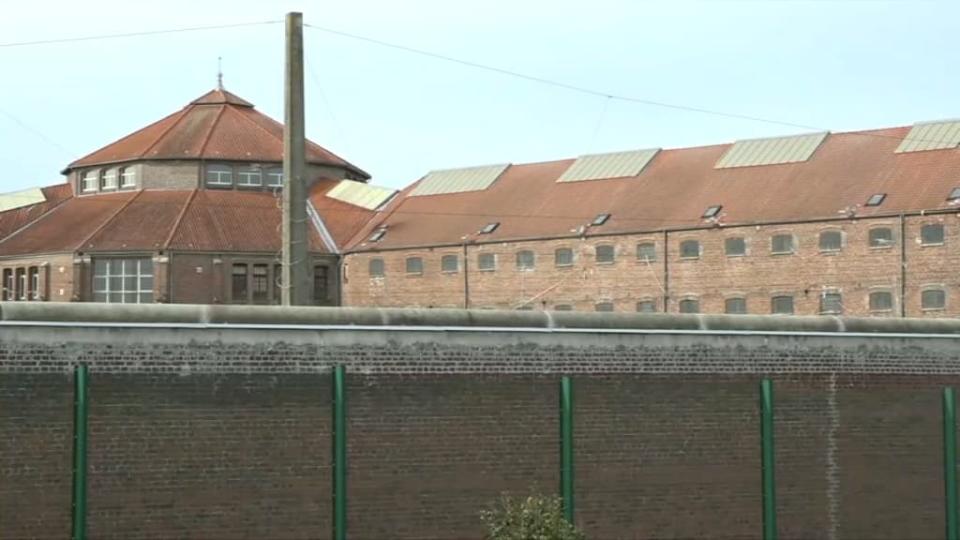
322	229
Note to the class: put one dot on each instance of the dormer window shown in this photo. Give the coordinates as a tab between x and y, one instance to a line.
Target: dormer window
275	177
108	179
219	175
128	177
249	177
599	220
89	181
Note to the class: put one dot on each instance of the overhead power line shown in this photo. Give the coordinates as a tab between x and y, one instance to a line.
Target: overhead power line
134	34
585	90
558	84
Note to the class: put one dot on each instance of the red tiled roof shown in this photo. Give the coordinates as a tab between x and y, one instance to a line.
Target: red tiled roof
178	220
215	126
14	219
674	190
341	219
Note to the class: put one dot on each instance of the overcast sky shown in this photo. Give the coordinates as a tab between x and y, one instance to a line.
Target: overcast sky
837	65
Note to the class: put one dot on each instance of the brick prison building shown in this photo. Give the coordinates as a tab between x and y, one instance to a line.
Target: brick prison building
184	210
187	210
858	223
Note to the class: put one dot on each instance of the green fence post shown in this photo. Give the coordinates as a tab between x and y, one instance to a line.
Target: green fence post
768	461
339	455
566	447
79	502
950	461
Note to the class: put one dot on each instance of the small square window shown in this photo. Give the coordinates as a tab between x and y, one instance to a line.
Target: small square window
954	194
489	227
881	301
646	252
525	260
600	220
781	305
376	268
735	306
781	244
563	257
689	305
378	234
831	302
711	211
450	264
219	175
647	306
735	247
876	199
487	262
881	237
606	254
689	249
933	299
931	234
415	265
831	241
604	306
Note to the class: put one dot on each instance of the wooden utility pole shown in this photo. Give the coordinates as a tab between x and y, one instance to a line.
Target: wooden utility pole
296	265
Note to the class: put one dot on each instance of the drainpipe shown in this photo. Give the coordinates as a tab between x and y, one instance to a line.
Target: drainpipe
666	273
466	278
903	266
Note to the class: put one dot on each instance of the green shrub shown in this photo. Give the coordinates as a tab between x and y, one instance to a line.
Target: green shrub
535	517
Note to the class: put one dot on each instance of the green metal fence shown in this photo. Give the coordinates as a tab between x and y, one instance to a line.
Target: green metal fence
566	450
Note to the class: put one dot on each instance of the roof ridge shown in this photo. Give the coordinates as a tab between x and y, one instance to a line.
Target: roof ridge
26	226
183	113
107	221
213	126
176	223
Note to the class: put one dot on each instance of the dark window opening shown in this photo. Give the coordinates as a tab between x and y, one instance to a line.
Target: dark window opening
238	284
735	306
735	247
321	287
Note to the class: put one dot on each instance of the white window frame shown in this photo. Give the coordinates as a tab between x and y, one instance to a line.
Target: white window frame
219	173
129	267
275	173
89	181
128	177
108	179
245	176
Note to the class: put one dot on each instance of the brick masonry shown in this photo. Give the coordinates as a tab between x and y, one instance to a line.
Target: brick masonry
855	271
225	433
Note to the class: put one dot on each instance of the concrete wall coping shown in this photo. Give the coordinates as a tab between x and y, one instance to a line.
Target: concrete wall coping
22	313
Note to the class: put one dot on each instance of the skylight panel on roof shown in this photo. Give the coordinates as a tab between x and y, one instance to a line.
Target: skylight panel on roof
378	234
954	194
459	180
931	136
360	194
17	199
490	227
600	220
876	199
711	211
771	151
611	165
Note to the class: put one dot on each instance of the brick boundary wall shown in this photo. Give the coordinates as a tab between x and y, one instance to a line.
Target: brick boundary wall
215	431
